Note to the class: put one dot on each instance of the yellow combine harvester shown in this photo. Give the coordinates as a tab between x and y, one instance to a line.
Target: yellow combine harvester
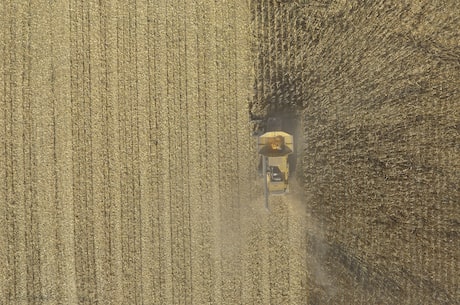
275	147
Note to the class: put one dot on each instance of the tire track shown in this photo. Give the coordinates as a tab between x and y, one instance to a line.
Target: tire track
102	106
4	241
129	144
112	208
164	280
147	153
33	286
83	196
154	154
212	141
185	164
97	133
14	184
195	170
107	154
41	81
64	234
178	169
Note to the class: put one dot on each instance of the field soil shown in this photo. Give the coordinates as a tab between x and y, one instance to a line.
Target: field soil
128	173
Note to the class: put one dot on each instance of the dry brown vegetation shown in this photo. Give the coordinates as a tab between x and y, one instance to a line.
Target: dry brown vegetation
127	166
128	173
120	163
377	84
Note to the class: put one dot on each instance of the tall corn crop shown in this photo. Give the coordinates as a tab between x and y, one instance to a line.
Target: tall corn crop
377	85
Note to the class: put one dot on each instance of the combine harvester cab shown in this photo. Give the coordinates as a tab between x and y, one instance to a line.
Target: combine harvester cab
275	147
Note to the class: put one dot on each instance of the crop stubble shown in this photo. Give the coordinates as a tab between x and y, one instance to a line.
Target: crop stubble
127	167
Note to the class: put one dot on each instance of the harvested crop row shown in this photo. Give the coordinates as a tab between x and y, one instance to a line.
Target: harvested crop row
104	130
127	167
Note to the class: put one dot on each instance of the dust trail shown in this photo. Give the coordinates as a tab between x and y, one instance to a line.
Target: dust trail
316	247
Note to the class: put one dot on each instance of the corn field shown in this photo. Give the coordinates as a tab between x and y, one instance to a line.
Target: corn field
376	85
127	166
128	170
